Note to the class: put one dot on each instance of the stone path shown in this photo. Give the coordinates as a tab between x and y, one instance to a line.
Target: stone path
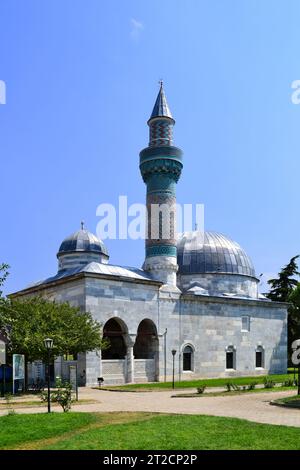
253	407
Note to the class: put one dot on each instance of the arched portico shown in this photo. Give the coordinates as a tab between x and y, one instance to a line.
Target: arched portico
117	359
115	331
145	351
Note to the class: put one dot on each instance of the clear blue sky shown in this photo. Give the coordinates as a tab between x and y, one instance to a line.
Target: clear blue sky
82	77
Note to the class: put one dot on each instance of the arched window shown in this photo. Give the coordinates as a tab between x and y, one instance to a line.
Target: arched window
230	357
114	330
259	357
146	343
188	358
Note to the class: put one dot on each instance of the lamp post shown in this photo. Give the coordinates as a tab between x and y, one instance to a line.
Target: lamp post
165	353
48	342
173	354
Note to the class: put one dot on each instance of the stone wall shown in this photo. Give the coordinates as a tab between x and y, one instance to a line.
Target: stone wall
208	324
218	284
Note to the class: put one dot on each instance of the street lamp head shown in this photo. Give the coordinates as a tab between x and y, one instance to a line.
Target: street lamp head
48	342
173	352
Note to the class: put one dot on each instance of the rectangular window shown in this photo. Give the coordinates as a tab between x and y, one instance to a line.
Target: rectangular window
246	323
187	361
229	360
259	359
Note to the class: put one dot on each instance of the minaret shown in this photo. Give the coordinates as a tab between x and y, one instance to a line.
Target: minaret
161	165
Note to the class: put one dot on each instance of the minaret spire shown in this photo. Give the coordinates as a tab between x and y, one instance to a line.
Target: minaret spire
161	121
160	165
161	107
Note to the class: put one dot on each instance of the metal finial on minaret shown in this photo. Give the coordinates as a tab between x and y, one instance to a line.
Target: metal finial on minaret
82	224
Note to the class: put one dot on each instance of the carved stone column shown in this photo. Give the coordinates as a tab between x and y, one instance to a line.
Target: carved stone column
130	340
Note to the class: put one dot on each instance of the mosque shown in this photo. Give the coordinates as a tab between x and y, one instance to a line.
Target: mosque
195	301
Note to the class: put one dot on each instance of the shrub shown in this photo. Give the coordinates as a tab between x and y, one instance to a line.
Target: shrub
62	395
268	383
232	386
289	383
228	386
235	387
252	386
201	389
8	399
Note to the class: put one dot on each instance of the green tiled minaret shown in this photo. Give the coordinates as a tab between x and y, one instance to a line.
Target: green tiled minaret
161	165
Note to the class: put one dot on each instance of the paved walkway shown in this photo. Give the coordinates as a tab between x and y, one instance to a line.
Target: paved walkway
251	406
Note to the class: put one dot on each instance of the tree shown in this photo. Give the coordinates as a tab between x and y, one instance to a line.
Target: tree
32	320
295	296
294	314
3	275
282	287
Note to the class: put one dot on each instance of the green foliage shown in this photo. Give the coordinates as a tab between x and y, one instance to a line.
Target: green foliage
141	431
3	274
180	432
8	400
34	319
20	428
61	395
282	287
289	383
294	314
231	386
269	383
293	402
286	289
201	389
295	296
252	385
220	382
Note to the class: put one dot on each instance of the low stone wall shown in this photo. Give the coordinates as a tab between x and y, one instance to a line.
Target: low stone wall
144	370
114	371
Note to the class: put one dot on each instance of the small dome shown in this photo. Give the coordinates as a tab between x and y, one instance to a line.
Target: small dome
82	241
80	249
211	252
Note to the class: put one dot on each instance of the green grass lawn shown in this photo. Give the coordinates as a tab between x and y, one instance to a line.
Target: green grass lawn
122	431
198	383
26	428
232	392
293	402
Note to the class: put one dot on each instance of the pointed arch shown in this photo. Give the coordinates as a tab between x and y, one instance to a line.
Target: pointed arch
115	331
145	346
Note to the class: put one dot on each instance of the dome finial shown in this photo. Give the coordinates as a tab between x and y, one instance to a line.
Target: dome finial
82	224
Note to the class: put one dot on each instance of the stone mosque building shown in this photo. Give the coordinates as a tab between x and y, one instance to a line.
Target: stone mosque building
197	293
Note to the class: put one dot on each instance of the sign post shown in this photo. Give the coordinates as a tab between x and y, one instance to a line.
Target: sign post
18	369
73	379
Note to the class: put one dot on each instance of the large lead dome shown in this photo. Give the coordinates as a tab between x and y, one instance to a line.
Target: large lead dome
211	252
211	264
